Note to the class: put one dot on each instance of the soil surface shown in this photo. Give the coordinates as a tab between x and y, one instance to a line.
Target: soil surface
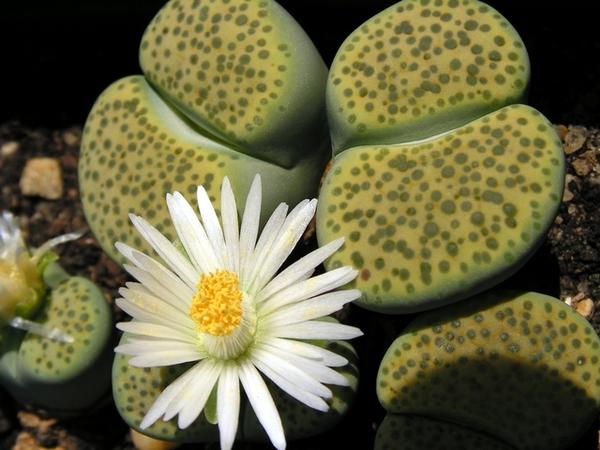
566	266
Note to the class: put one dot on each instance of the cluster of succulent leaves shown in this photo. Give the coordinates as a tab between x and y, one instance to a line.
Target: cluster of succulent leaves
65	378
442	182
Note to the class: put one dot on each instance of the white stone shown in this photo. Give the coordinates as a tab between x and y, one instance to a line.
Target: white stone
42	177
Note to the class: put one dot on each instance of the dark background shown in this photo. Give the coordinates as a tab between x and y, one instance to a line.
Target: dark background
56	56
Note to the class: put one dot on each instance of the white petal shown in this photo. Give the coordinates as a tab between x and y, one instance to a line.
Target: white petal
288	345
53	243
294	374
152	285
201	379
125	250
198	394
298	269
192	234
155	273
271	229
262	403
231	231
299	278
315	369
154	330
249	231
138	346
171	305
320	306
167	251
298	209
11	241
228	405
166	397
165	277
265	243
308	288
211	224
149	299
140	311
286	385
162	359
291	232
307	351
316	330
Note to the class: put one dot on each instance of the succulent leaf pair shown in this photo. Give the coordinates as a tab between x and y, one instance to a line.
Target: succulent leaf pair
229	89
444	187
442	184
500	370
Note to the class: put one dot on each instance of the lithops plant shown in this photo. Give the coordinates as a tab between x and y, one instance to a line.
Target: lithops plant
437	221
523	368
442	189
229	88
55	331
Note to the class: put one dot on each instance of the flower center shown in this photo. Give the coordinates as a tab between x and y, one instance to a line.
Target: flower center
217	304
21	288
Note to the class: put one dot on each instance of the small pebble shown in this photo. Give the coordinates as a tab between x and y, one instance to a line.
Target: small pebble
25	441
585	307
562	131
572	209
582	167
567	194
71	138
33	421
42	177
575	139
582	304
9	148
586	163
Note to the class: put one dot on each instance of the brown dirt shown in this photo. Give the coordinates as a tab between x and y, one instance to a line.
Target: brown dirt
575	236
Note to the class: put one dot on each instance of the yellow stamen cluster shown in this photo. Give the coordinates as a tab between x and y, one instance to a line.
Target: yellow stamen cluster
217	303
20	287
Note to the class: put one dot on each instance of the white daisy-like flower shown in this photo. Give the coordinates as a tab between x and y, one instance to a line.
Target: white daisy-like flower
223	306
21	286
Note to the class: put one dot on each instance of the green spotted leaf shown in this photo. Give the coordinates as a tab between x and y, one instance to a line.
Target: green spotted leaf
244	71
521	367
62	377
135	149
432	222
229	89
422	67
